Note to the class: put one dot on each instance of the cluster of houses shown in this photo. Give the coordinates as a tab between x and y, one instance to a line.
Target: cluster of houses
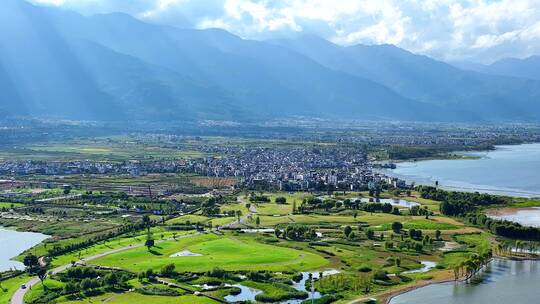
265	168
294	169
89	167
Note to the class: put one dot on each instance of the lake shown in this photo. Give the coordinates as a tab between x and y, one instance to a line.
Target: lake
12	243
511	170
524	216
503	281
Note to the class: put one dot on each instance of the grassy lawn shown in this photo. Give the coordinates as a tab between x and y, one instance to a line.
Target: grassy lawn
133	297
452	259
525	203
10	205
363	217
111	244
423	224
478	242
37	290
10	286
226	252
274	209
195	218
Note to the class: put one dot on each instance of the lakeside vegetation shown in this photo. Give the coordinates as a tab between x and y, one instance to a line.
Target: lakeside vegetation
368	242
196	239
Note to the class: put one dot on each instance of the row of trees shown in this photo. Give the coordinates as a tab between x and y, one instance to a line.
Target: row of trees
472	265
504	228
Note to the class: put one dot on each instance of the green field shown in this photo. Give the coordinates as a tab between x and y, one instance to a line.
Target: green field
9	205
9	287
229	253
421	224
111	148
133	297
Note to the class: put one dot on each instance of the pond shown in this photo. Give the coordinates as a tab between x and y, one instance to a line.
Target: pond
13	243
391	201
426	266
249	294
246	294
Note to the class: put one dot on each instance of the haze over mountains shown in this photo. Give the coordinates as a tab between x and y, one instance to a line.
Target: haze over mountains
525	68
114	67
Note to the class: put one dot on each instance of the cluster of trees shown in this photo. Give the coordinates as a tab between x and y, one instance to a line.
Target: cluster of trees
259	198
457	203
408	244
505	228
472	265
297	232
281	200
210	207
466	205
416	210
85	279
313	203
511	247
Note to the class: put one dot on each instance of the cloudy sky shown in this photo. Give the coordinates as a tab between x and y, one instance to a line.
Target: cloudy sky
475	30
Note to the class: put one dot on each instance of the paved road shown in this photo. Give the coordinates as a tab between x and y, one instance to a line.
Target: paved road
18	296
243	220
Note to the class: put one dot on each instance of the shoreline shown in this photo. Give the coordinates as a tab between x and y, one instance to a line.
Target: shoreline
386	297
461	186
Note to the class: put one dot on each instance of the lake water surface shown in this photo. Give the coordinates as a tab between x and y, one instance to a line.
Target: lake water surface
524	216
503	281
513	170
12	243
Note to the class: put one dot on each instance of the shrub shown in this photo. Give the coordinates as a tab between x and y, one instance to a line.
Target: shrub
364	268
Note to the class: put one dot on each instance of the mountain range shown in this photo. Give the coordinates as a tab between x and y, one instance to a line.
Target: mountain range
59	63
524	68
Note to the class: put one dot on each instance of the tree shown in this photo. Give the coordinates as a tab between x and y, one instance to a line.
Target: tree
347	231
42	274
438	234
70	288
111	279
168	270
277	232
281	200
397	226
149	241
149	274
146	222
370	234
257	221
31	261
88	284
294	207
238	215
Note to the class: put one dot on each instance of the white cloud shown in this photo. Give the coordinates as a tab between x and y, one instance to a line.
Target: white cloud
481	30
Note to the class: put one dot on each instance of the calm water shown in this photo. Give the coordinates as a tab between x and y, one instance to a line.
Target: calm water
12	243
526	216
502	282
513	170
